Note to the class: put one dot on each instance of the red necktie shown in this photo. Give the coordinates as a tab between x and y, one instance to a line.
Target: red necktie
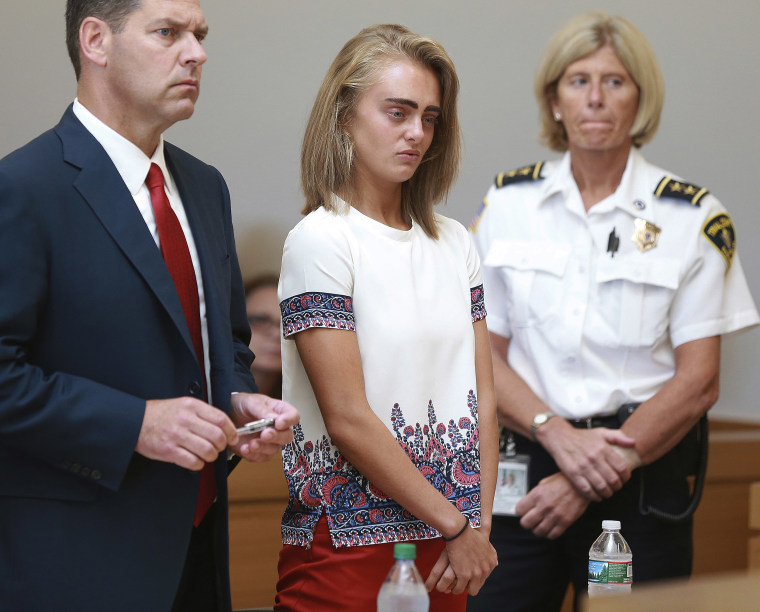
177	257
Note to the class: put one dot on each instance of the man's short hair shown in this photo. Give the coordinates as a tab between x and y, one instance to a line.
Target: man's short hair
114	12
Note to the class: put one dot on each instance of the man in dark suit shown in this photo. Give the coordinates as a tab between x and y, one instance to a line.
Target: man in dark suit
122	372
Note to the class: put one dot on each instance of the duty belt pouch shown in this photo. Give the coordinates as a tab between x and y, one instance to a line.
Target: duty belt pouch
659	481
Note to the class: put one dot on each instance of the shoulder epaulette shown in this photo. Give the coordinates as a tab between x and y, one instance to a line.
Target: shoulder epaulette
518	175
671	188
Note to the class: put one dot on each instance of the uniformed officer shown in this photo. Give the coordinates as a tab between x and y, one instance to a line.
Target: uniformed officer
609	282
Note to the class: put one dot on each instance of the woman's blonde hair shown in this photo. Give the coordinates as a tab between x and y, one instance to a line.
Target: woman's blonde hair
584	35
328	153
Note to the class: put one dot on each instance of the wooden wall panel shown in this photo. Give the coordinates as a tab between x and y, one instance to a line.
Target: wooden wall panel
258	495
753	548
721	523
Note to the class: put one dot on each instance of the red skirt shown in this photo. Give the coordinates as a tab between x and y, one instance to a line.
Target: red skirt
323	578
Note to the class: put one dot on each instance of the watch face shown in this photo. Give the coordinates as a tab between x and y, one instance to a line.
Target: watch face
539	420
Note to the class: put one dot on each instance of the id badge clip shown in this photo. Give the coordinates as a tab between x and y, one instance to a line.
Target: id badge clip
512	477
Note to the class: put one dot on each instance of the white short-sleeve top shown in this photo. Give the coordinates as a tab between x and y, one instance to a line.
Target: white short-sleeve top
411	301
594	303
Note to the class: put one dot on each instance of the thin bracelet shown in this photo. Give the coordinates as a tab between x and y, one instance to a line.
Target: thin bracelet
460	532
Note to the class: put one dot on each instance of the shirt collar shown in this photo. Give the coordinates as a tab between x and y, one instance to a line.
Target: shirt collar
562	183
131	163
560	179
627	197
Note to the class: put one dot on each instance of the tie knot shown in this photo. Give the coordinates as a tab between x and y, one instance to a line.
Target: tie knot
155	177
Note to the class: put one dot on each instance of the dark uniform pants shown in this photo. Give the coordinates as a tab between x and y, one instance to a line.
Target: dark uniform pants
533	572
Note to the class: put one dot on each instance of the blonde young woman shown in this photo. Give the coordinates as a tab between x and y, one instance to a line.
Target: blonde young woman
609	284
386	350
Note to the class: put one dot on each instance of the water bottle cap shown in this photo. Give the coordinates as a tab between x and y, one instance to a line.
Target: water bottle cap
404	551
611	525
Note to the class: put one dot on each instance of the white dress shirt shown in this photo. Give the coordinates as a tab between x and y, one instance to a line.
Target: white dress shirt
593	324
133	165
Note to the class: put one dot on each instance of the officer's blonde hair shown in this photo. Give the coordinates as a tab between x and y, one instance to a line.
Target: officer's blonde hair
328	153
582	36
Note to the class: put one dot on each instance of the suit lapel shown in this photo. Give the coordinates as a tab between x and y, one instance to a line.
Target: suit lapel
102	187
196	196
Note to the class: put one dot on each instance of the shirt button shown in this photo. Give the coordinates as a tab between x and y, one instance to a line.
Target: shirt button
95	475
194	389
578	400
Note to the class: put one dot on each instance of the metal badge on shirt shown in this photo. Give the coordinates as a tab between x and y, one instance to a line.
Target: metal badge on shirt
512	479
645	234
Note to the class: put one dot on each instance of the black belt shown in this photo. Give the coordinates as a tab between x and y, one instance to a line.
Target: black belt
612	421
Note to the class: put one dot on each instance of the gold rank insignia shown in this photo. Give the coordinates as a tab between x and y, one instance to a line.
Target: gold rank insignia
645	234
671	188
719	230
518	175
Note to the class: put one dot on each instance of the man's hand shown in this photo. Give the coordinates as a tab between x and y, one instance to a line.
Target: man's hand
588	457
247	407
185	431
551	506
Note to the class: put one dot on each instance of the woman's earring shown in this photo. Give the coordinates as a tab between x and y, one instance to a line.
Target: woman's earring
557	116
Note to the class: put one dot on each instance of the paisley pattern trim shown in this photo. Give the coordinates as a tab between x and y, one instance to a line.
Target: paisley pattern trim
477	301
321	479
313	309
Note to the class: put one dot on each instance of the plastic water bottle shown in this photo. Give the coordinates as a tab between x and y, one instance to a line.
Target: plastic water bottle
610	563
403	589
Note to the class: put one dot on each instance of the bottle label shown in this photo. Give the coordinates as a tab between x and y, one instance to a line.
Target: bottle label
610	572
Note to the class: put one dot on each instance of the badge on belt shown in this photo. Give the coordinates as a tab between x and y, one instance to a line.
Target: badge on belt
512	477
645	234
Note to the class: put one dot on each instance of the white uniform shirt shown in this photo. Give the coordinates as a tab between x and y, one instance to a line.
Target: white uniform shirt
411	301
594	326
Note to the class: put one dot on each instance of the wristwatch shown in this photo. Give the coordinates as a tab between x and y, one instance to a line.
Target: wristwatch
539	420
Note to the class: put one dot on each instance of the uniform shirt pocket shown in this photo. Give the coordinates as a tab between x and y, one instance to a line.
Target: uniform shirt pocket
635	298
532	273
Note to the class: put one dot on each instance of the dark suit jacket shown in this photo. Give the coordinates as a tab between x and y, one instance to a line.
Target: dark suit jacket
90	327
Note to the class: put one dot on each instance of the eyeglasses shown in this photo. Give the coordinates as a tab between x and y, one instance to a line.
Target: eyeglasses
262	322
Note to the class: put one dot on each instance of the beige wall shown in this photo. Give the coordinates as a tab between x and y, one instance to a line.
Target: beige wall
266	60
